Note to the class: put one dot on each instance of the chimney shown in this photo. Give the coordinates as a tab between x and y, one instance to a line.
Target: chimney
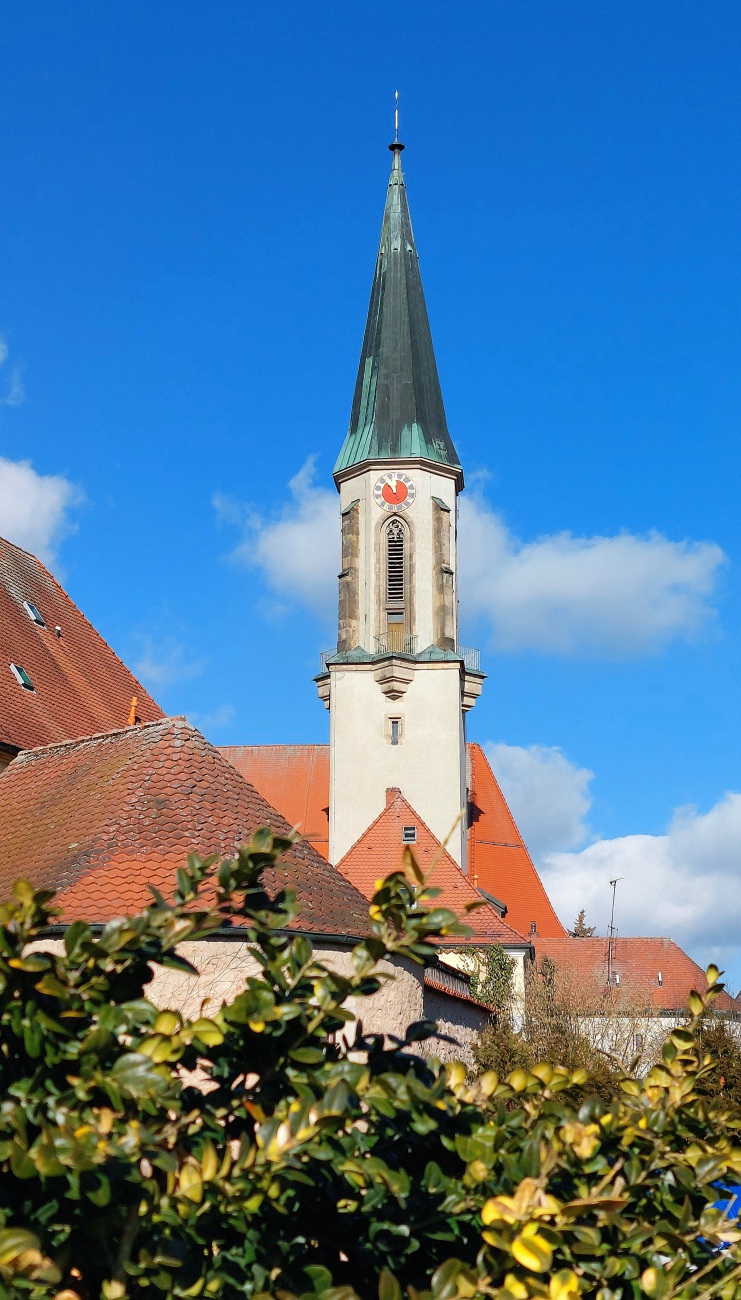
391	793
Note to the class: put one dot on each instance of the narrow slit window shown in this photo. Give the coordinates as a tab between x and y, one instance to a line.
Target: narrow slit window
22	677
33	613
395	562
395	726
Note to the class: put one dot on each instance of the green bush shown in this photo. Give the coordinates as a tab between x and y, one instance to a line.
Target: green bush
308	1167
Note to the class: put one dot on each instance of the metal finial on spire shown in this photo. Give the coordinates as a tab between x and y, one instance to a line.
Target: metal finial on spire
396	146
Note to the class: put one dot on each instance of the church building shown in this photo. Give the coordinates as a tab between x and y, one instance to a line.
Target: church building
101	795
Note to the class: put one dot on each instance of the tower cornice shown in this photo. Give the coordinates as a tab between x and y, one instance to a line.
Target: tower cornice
453	472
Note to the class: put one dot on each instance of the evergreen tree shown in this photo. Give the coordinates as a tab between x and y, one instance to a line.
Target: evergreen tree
581	930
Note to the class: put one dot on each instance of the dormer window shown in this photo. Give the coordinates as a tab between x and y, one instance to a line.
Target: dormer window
409	834
22	677
33	613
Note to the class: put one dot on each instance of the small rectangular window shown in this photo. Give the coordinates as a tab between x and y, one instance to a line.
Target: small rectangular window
409	834
33	613
395	731
21	676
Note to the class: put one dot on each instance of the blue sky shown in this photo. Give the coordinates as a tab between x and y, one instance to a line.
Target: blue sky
188	228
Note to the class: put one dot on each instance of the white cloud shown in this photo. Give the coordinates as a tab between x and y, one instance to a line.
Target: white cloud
548	795
612	597
15	395
34	508
297	551
159	664
214	720
616	596
683	884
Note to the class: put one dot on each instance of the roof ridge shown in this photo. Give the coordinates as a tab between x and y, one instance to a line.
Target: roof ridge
26	754
289	744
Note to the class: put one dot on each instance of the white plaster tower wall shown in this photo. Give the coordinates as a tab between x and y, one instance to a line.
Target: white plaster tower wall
397	687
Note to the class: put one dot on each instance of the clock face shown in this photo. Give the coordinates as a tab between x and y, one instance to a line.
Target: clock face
394	492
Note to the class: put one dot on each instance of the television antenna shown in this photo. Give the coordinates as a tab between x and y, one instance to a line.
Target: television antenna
612	931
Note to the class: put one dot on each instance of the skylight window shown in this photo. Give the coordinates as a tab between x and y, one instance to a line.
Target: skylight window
409	834
33	613
22	677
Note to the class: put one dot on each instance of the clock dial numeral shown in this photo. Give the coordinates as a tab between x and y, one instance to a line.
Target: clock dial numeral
394	492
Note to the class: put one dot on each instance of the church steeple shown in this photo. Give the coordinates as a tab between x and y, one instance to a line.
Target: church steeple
397	410
398	685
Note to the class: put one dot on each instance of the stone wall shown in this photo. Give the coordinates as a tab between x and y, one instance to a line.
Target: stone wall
462	1021
224	964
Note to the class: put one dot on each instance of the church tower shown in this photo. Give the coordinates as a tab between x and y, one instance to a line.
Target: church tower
398	684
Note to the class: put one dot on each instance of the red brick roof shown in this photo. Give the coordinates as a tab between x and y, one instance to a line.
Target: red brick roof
638	962
80	685
98	819
498	861
380	850
294	778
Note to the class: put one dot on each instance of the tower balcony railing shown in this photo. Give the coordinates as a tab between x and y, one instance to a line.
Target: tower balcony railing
471	658
399	642
396	642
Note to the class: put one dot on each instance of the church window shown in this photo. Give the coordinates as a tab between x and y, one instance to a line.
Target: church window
395	540
409	834
33	613
21	676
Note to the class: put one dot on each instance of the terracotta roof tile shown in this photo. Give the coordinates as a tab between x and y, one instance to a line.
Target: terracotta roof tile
639	963
100	818
380	850
293	778
498	860
80	685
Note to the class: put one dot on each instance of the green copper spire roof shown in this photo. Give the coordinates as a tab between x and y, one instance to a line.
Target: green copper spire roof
397	411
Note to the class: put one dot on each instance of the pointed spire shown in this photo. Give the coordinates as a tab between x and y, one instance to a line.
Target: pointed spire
397	411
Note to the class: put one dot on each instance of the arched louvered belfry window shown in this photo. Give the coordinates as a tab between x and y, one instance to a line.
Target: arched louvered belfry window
396	584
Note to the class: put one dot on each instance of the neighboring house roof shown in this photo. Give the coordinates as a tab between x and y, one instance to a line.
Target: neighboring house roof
640	963
79	685
498	860
293	778
397	411
380	850
99	819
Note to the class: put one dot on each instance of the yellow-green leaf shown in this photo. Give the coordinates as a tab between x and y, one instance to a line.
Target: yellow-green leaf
533	1252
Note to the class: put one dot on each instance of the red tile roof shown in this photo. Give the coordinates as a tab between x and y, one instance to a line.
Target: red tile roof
294	778
98	819
380	850
498	861
638	962
80	685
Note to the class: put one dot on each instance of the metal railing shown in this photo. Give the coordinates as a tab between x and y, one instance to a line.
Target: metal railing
471	658
396	642
399	642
